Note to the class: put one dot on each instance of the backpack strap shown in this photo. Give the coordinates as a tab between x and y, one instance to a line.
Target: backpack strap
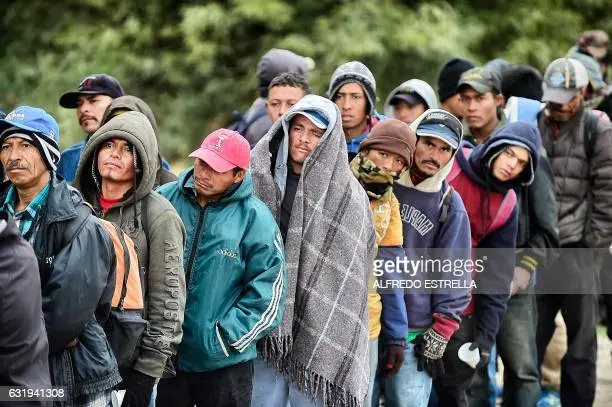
590	133
504	211
445	203
75	225
127	263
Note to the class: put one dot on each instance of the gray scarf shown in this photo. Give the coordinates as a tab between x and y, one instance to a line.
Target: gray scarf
322	341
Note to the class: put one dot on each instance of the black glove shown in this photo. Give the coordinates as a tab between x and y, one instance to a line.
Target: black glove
484	355
395	359
429	348
138	389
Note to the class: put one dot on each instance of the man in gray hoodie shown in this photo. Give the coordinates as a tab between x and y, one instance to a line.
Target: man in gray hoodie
116	175
130	103
410	100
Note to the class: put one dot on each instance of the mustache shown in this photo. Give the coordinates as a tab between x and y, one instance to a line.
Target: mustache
83	118
433	162
16	165
113	162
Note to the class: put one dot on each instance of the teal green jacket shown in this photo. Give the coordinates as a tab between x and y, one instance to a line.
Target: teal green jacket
235	271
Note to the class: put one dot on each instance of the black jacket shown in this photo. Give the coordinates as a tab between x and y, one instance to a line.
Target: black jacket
537	240
77	276
23	341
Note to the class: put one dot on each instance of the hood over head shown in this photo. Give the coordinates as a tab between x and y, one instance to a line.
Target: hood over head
434	183
354	72
309	105
135	128
132	104
479	164
412	86
277	61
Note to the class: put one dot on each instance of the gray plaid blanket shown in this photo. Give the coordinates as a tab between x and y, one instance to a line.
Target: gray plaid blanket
322	341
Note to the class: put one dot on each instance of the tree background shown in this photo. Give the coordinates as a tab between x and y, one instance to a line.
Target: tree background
194	62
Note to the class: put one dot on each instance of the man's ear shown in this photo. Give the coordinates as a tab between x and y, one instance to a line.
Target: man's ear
239	175
499	100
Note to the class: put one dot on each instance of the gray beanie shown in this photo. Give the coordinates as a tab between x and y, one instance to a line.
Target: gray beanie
354	71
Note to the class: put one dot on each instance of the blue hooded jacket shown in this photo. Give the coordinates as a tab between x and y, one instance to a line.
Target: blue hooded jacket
489	303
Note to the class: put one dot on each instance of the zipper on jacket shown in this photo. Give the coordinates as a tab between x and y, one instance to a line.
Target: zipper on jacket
194	246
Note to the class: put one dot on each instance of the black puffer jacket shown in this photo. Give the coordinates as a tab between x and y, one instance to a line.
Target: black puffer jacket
77	276
24	350
582	220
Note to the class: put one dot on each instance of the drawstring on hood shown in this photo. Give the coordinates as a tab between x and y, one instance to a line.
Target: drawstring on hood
130	103
135	156
136	129
95	175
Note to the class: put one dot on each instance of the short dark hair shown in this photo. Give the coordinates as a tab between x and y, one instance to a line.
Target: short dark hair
291	79
522	81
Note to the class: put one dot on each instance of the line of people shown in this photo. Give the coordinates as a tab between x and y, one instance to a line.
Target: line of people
260	264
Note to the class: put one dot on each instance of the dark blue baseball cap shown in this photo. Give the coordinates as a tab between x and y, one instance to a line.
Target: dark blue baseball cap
97	84
442	125
32	119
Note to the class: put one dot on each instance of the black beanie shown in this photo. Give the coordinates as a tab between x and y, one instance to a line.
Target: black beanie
449	76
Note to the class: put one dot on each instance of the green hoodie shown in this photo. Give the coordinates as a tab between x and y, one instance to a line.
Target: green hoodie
159	241
235	261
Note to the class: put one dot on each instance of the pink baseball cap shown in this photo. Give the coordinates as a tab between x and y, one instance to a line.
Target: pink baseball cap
223	150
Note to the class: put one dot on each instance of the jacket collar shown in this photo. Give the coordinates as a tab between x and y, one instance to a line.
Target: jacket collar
61	200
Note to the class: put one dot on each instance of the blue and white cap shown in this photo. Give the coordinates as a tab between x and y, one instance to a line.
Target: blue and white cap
316	118
37	126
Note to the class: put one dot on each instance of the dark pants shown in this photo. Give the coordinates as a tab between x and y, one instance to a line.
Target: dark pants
516	345
605	277
228	387
480	391
451	389
580	313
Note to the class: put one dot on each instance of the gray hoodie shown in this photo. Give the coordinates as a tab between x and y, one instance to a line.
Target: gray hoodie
159	236
134	104
421	88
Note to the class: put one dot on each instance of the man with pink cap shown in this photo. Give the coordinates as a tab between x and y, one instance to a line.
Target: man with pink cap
235	272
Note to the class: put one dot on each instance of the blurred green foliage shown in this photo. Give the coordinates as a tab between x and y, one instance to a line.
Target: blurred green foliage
195	62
